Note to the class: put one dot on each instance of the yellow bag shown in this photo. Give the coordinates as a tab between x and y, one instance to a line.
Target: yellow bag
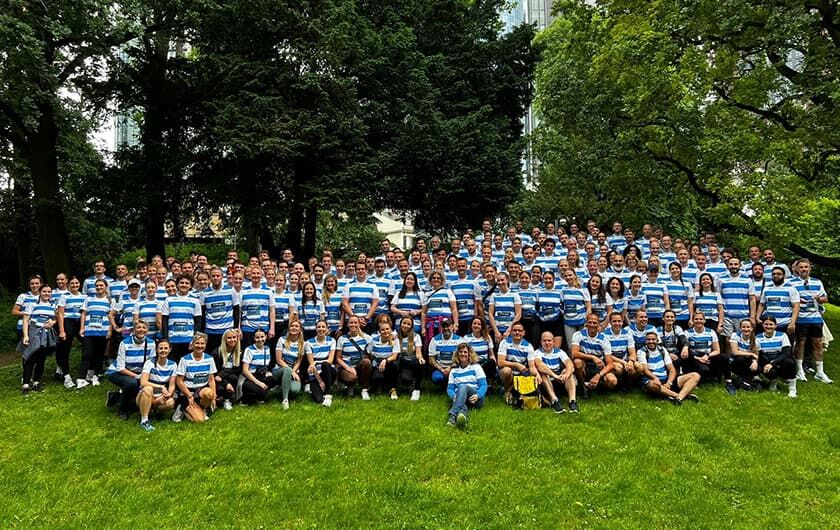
527	392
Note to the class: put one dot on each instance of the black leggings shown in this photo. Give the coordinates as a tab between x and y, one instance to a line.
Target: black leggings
252	392
62	350
413	367
328	375
94	354
387	379
33	368
721	367
741	367
784	368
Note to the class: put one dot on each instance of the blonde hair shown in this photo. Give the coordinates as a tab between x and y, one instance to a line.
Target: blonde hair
236	353
300	342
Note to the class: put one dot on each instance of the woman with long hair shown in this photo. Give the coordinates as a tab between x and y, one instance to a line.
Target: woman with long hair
288	357
228	359
69	314
411	358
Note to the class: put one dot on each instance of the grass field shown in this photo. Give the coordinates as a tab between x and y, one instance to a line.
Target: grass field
754	461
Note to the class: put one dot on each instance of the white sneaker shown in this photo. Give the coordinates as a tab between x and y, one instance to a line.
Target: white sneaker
94	380
328	400
792	392
415	395
227	405
823	378
81	383
307	389
178	415
394	395
68	383
800	376
365	395
285	404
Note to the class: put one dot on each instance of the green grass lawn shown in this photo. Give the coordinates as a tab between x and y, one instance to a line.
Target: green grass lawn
757	460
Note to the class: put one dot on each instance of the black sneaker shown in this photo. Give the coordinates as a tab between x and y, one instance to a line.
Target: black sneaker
350	391
584	393
573	407
123	415
558	407
693	397
58	376
36	387
24	390
746	386
451	421
676	401
730	388
112	398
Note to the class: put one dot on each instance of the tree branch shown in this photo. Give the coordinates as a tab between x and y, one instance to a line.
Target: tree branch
689	173
832	262
766	114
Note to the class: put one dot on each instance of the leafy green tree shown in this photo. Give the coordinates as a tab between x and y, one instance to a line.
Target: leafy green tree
48	49
719	111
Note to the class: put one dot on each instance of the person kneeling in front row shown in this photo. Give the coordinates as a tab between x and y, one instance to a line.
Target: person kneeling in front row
157	385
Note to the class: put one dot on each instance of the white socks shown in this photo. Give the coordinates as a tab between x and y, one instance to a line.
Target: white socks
820	366
799	367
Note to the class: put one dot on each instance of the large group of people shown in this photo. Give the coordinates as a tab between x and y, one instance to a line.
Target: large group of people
579	311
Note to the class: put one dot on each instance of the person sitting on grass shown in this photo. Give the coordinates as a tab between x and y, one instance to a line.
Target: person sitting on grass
384	353
744	352
775	357
592	356
320	352
126	369
288	357
703	353
623	348
555	371
411	355
228	359
351	360
157	385
467	385
513	358
257	378
196	384
659	377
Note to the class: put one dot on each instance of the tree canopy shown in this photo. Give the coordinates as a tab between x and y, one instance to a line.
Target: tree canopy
697	114
264	111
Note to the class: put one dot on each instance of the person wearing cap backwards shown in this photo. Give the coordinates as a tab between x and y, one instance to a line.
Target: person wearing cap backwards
441	351
123	310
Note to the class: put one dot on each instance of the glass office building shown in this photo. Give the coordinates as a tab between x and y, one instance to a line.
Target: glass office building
537	12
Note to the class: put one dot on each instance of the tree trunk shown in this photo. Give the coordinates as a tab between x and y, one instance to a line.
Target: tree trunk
267	242
22	223
294	229
151	138
311	221
253	238
42	158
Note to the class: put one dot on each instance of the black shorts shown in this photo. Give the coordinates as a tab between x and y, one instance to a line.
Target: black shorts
809	331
